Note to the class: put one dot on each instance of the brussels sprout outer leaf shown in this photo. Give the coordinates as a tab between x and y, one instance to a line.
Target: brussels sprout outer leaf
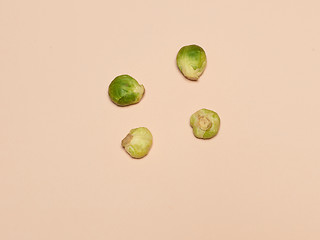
191	61
138	142
125	90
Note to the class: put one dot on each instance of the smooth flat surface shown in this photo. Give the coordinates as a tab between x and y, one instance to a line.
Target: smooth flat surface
63	173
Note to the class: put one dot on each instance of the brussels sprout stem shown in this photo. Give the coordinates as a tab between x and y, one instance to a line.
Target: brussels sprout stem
204	123
126	140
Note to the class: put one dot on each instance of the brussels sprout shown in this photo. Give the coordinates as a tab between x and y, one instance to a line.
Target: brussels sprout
138	142
205	123
191	61
125	90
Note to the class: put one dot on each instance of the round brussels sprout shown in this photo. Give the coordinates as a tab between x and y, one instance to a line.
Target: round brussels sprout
125	90
138	142
191	61
205	123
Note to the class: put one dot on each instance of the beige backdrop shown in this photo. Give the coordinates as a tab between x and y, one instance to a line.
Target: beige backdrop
63	173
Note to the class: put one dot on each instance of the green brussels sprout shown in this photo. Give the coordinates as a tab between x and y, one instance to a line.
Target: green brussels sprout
125	90
138	142
205	123
191	61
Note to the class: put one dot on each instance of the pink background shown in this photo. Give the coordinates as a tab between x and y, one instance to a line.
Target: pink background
63	173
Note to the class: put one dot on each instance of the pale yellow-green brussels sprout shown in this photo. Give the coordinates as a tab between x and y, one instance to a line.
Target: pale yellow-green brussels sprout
138	142
191	61
125	90
205	123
